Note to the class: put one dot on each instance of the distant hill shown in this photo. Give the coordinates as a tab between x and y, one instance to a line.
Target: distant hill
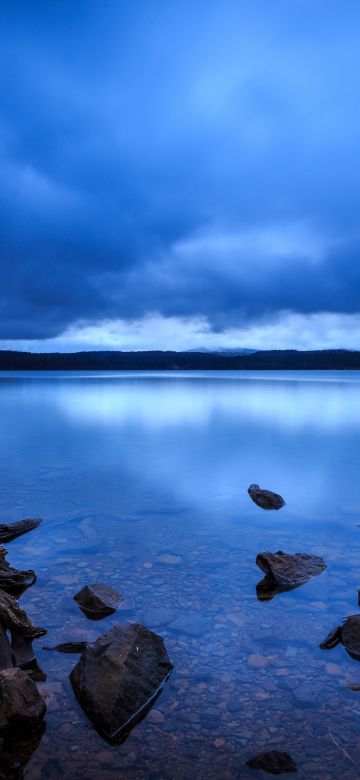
223	351
181	361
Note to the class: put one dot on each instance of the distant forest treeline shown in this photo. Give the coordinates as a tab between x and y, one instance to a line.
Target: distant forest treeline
182	361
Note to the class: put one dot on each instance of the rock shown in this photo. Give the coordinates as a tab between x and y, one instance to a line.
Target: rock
23	632
12	580
307	693
11	531
274	762
158	616
265	498
117	678
348	633
192	623
96	601
16	751
68	647
20	702
169	558
285	572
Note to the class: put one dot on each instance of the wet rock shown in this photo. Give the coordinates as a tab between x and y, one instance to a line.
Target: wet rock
192	623
117	679
22	630
265	498
285	572
348	633
96	601
12	530
20	702
12	580
274	762
68	647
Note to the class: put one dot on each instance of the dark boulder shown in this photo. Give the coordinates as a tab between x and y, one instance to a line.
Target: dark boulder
285	572
22	630
16	750
274	762
118	677
12	530
348	633
96	601
265	498
21	705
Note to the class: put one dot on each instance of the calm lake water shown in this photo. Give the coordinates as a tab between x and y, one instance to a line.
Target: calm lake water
126	468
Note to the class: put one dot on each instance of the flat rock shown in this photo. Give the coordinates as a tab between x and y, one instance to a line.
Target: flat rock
68	647
12	530
158	616
307	693
170	559
285	571
192	623
348	634
266	499
98	600
117	678
274	762
20	702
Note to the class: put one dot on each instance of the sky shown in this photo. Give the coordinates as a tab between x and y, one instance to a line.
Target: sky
179	174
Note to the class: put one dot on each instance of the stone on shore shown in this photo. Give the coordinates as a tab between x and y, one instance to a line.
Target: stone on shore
21	705
118	677
266	499
97	600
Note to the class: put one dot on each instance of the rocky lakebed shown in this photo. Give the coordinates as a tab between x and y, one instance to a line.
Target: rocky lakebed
119	675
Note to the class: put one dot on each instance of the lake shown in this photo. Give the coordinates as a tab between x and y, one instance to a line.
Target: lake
141	480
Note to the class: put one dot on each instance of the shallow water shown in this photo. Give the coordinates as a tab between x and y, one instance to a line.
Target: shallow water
128	467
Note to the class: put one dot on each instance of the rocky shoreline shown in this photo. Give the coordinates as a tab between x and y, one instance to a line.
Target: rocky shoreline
115	696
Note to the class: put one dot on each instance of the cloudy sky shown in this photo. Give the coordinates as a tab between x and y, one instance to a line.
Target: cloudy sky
178	174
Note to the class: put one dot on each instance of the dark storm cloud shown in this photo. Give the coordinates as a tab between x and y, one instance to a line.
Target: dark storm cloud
190	159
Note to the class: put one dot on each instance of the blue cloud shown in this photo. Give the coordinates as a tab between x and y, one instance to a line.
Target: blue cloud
128	131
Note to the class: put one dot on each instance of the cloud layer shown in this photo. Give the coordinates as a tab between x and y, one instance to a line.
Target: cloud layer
179	163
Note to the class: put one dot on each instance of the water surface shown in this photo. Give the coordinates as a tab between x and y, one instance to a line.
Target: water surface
128	467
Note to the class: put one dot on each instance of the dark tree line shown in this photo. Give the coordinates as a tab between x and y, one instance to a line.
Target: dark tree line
184	361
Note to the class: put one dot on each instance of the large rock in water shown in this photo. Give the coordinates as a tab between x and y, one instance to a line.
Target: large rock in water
20	702
97	601
348	633
265	498
12	530
285	571
119	676
274	762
